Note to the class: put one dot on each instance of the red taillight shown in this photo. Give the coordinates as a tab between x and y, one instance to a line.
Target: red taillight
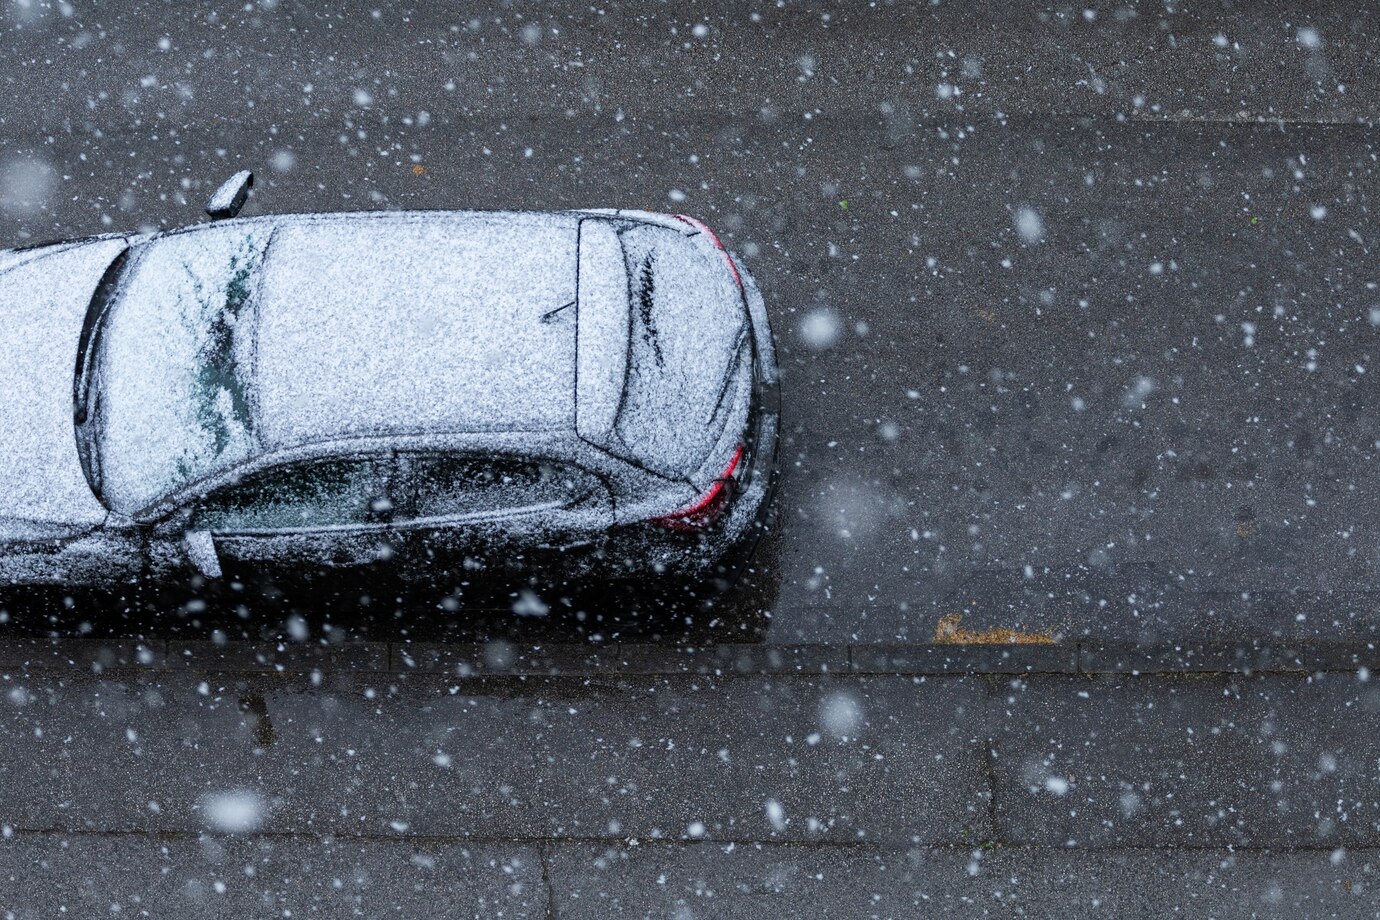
713	238
710	506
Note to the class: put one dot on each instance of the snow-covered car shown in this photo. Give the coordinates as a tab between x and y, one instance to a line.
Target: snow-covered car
545	394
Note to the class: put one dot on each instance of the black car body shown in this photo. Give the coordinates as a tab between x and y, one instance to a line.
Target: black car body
587	392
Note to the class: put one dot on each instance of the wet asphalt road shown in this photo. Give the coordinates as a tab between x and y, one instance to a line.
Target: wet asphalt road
1078	325
1168	374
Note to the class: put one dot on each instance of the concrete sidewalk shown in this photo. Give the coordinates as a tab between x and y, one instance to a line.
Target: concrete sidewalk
1223	794
184	878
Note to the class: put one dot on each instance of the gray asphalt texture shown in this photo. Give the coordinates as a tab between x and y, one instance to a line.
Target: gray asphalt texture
1077	320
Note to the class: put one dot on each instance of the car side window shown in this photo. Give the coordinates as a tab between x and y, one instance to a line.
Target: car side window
444	486
311	495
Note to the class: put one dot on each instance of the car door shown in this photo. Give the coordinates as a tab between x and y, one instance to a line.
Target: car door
298	520
458	516
38	553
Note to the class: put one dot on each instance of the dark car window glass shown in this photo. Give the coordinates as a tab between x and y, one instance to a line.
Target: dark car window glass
441	487
326	494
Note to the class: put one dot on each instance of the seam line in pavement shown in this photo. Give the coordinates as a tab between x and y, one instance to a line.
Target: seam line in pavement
542	842
469	661
546	881
848	120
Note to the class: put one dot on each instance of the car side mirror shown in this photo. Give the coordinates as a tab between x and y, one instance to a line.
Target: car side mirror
231	196
201	550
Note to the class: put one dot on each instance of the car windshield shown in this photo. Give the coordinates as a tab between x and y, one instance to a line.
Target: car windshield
164	393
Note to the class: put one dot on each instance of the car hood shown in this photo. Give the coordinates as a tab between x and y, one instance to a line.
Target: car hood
43	300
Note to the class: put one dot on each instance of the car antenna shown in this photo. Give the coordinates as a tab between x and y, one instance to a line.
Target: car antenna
231	196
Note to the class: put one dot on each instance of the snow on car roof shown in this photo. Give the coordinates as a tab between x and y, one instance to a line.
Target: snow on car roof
401	323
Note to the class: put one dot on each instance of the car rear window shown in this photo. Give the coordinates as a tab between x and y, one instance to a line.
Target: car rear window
430	487
686	327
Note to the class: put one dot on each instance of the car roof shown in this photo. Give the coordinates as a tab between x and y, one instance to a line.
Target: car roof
378	324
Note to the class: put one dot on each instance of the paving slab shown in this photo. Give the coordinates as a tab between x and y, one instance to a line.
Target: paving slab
732	658
951	658
749	882
501	656
44	876
93	655
1242	657
218	656
685	757
1206	761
